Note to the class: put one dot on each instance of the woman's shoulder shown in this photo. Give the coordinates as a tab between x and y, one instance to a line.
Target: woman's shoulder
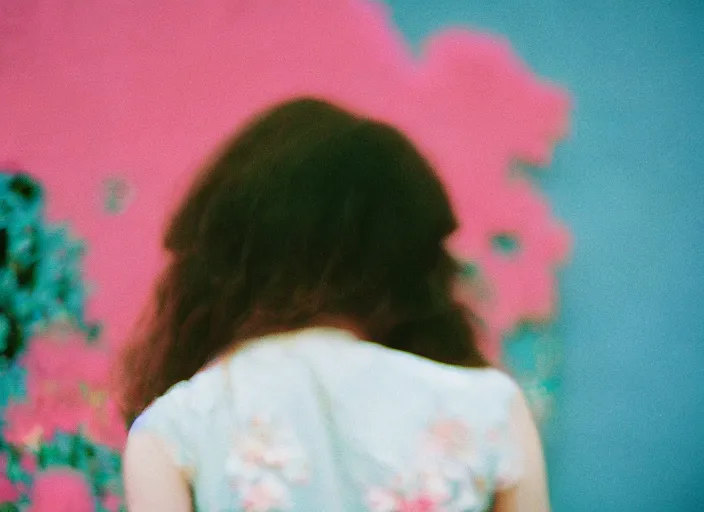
196	396
406	381
488	381
491	379
488	389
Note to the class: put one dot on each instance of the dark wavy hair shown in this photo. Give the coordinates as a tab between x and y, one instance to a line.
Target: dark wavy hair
310	212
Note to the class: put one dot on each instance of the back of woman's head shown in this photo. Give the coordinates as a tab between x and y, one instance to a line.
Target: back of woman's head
311	212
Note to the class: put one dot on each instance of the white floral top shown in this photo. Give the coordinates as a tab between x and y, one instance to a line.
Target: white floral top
317	420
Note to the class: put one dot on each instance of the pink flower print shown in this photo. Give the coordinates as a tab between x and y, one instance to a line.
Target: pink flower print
435	485
450	438
493	435
256	447
264	460
265	445
266	495
382	500
419	504
240	470
442	476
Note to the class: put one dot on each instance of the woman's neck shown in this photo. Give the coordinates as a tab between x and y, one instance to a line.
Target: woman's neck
322	322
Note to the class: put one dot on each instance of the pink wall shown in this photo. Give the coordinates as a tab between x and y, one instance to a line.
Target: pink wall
144	90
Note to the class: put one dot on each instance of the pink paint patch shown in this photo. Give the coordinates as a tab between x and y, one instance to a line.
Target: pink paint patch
29	463
61	490
112	503
522	284
8	492
174	89
65	396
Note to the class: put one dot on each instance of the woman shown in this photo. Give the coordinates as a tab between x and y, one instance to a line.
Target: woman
305	351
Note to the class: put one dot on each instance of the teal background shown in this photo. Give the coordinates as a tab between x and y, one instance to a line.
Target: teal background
628	430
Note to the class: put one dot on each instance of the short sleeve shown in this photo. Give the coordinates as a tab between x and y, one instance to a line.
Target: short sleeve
167	420
509	455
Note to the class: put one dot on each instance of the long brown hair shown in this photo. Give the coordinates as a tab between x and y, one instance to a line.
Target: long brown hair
309	212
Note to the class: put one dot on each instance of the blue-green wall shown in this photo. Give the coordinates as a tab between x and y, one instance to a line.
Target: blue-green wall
629	431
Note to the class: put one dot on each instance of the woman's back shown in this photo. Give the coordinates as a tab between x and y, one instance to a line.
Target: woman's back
312	215
317	420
